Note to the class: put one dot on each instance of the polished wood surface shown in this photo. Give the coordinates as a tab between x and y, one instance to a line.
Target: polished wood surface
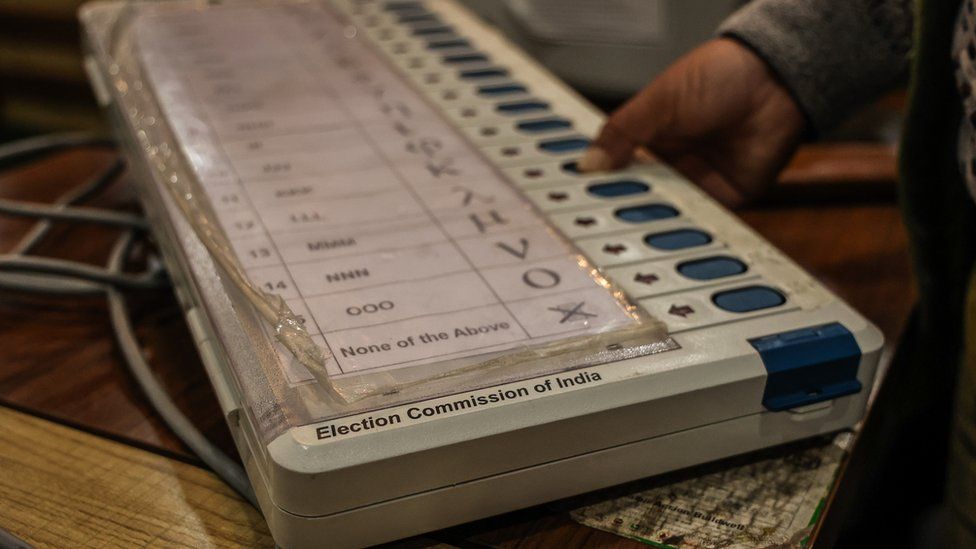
837	164
58	360
65	487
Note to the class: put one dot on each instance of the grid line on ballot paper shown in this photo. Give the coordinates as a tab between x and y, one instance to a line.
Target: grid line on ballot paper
342	190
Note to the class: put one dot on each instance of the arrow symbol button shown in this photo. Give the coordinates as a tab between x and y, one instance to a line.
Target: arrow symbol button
681	310
646	278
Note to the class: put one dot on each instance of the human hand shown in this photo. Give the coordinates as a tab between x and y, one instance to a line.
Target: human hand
718	115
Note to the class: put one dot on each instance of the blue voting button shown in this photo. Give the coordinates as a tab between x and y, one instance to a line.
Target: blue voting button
748	299
501	89
438	29
645	212
541	125
521	107
448	43
466	58
710	268
483	73
420	17
678	239
622	187
565	145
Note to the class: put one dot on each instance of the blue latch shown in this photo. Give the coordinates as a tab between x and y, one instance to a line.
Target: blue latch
808	365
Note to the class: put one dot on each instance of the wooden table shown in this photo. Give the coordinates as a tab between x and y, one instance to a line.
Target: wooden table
85	461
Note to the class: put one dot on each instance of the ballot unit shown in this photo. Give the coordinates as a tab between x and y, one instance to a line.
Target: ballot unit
471	325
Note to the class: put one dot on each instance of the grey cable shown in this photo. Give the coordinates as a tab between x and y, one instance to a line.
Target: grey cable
69	283
50	284
67	213
73	196
61	267
33	146
226	468
51	275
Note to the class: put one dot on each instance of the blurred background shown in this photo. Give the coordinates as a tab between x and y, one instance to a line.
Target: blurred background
42	83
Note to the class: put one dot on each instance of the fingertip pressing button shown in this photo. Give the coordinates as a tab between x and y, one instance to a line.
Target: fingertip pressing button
571	167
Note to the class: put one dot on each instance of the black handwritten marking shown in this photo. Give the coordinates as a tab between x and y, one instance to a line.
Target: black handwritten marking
570	312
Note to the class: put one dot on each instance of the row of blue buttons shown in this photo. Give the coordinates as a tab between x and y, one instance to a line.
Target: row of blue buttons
737	300
441	37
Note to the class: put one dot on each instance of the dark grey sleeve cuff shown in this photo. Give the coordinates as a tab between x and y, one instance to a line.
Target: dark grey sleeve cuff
833	55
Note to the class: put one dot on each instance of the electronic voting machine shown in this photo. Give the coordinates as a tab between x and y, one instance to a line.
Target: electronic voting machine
414	311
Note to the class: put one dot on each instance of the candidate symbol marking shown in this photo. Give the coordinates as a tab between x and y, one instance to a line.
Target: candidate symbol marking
438	168
570	312
493	218
521	254
541	279
470	196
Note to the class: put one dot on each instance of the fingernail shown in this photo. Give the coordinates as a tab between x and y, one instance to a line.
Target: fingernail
644	156
595	159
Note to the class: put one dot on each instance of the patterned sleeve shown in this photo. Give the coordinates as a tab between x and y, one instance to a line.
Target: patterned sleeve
833	55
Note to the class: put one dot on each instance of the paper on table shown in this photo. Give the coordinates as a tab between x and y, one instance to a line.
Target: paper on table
770	501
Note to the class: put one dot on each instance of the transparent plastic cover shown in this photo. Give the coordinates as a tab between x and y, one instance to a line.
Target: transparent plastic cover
389	258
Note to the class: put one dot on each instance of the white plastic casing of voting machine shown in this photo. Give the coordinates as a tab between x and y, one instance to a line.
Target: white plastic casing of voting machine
760	354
